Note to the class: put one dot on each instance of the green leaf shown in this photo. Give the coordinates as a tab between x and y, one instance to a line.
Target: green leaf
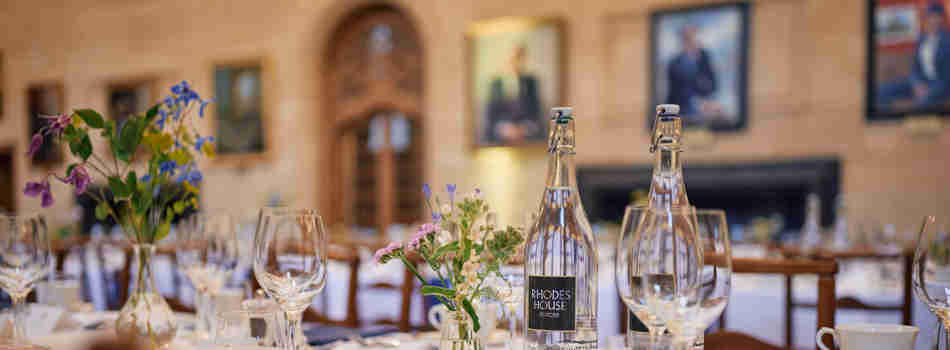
69	169
151	113
448	248
467	305
131	181
71	133
82	147
162	230
440	291
129	138
179	207
92	118
118	187
102	211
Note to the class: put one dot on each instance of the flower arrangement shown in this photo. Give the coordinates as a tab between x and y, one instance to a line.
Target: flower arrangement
462	245
171	145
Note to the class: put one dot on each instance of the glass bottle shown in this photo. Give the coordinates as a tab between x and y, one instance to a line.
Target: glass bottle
668	189
561	255
841	240
811	230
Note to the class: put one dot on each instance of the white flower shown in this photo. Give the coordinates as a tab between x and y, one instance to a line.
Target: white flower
446	209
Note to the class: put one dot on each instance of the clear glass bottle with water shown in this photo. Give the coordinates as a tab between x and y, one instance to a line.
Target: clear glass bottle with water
560	254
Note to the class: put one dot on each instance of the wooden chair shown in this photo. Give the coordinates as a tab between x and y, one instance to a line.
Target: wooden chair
848	302
406	291
349	256
826	269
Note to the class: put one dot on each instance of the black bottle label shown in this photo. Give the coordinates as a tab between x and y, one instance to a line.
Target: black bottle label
551	303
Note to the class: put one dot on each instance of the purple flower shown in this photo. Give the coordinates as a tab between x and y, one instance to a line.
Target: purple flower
41	189
478	193
201	142
450	188
167	167
169	102
420	235
382	255
436	217
160	122
201	109
427	190
79	178
180	88
146	178
35	144
57	123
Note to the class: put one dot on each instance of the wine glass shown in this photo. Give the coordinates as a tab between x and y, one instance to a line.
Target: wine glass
25	257
512	296
207	251
628	270
931	274
290	263
715	276
668	261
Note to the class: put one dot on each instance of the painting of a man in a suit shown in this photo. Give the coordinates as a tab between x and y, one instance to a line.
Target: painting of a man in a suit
513	113
692	80
699	63
927	87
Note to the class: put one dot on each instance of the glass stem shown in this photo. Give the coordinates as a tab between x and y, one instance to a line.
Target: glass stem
202	308
294	332
511	329
19	311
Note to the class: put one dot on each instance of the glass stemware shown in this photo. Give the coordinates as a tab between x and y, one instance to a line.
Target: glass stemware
206	248
290	257
697	314
931	273
25	257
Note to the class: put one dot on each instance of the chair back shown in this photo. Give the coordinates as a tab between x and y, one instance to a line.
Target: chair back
825	269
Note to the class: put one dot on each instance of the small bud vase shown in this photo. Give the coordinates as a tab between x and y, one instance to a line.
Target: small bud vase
146	318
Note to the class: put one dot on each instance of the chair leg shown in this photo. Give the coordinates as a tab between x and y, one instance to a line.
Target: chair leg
789	324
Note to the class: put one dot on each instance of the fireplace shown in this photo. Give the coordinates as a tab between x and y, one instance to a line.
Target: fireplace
745	190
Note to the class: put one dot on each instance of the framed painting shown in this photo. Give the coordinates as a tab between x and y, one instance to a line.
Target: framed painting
908	59
516	76
699	60
239	124
126	98
44	99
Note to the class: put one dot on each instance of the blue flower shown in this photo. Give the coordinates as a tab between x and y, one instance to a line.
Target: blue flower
201	142
436	217
168	167
191	174
427	190
201	109
169	102
156	190
160	122
450	188
146	178
180	88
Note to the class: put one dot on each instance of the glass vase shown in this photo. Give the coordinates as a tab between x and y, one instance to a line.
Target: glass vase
458	333
146	318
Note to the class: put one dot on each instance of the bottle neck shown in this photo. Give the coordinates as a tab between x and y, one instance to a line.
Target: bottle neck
561	168
668	190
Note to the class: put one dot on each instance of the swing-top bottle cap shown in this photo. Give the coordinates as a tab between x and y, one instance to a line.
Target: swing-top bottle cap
668	109
562	114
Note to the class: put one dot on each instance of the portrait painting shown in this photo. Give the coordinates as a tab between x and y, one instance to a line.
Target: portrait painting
516	76
908	59
239	126
128	98
44	100
699	62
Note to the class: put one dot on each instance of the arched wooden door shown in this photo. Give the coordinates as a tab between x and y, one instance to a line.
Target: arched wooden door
375	101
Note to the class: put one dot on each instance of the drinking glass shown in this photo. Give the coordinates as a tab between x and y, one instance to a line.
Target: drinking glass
931	274
290	261
25	257
513	299
659	258
695	315
206	248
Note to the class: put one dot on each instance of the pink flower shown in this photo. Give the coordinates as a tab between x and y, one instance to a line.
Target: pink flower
34	189
79	178
57	123
421	234
35	144
383	255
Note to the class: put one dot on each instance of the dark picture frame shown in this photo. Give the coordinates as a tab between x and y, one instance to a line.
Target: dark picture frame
895	29
718	101
534	48
44	99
